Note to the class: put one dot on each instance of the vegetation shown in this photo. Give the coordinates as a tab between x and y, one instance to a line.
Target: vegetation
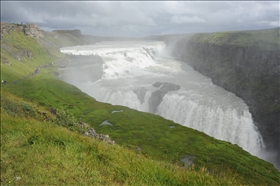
36	151
262	39
39	148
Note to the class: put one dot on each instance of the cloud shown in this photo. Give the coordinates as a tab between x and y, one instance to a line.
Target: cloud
186	19
143	18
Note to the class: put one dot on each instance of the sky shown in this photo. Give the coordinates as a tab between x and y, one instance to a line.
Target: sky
143	18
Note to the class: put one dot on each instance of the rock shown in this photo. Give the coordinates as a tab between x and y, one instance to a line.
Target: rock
188	160
157	84
33	31
166	87
140	92
156	97
52	110
92	132
7	62
251	71
9	27
83	125
102	137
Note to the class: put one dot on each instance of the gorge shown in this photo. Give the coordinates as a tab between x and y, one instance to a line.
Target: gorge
246	63
142	76
152	75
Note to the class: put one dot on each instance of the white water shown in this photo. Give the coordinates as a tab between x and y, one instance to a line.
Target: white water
198	104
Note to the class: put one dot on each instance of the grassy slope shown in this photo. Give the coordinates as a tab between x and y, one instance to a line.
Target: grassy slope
35	151
263	39
131	128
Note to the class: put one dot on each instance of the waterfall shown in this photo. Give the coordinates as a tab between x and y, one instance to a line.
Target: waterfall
134	75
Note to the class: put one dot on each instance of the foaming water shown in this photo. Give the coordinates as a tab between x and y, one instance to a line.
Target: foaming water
129	71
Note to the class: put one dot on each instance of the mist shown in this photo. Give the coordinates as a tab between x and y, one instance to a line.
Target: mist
144	76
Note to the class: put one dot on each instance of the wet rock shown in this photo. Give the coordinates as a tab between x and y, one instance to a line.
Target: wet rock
166	87
140	92
156	97
157	84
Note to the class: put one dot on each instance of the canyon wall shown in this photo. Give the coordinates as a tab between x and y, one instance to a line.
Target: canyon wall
246	63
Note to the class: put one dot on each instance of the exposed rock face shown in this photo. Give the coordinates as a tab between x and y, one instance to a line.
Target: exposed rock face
156	96
33	31
166	87
102	137
251	72
22	54
9	27
141	92
155	100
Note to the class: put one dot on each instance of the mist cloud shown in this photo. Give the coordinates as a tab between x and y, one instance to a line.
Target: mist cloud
143	18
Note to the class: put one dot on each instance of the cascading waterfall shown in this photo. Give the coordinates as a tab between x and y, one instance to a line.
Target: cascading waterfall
135	75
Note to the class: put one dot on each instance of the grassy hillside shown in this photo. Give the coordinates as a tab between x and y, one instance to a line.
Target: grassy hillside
262	39
37	150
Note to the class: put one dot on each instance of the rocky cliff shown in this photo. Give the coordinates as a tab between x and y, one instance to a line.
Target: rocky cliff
247	64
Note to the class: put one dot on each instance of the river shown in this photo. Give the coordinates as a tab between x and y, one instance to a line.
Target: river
140	75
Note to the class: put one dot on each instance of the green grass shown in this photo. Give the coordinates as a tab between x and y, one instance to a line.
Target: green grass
62	155
39	152
263	39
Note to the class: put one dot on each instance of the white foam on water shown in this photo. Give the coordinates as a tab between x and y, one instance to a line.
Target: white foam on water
198	104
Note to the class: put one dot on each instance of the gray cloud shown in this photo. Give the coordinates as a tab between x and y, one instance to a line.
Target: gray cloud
143	18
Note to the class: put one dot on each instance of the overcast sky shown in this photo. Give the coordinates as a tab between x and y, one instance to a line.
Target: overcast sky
143	18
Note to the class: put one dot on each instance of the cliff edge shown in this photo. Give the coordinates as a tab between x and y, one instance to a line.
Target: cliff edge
246	63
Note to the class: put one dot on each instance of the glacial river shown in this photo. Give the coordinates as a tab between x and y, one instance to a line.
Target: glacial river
141	76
